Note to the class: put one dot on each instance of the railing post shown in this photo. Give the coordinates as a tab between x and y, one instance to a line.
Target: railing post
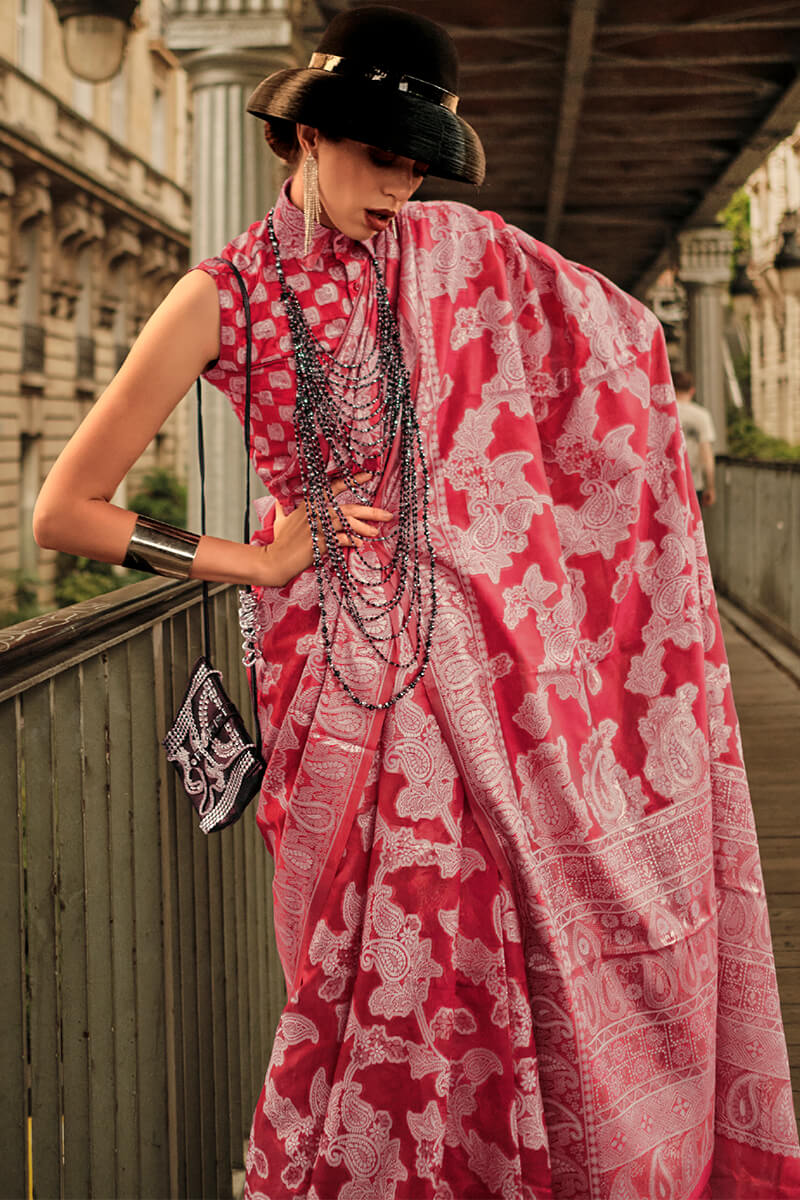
124	929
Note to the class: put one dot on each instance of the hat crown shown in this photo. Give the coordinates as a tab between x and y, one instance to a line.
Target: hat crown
394	41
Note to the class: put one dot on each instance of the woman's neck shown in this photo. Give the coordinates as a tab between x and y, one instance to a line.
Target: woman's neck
296	197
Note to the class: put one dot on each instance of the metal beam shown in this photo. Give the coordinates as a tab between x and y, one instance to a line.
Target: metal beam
743	87
779	124
610	58
613	129
582	25
621	220
735	25
640	62
520	33
725	87
490	65
669	116
603	160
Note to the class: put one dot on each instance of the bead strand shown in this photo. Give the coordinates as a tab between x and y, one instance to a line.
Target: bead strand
348	415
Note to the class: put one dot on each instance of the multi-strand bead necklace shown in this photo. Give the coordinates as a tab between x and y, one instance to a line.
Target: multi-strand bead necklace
349	415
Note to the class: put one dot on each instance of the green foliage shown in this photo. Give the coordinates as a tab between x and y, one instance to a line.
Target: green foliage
736	217
742	370
25	599
162	496
82	578
743	373
746	440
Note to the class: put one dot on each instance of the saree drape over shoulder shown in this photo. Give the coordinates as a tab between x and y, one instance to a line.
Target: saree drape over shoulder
521	913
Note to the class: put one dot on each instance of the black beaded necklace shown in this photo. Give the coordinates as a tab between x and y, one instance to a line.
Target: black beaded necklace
351	414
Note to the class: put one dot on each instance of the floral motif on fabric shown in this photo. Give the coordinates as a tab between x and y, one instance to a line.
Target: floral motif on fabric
521	915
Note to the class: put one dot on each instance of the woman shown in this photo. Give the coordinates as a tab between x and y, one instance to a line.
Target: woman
517	893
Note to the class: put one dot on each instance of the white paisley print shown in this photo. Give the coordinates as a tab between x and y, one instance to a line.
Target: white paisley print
520	914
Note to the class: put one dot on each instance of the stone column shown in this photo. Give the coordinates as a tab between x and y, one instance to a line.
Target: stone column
705	271
235	179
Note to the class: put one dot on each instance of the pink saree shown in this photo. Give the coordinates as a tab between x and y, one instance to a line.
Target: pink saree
521	914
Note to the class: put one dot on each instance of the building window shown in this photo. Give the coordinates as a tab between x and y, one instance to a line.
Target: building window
29	484
83	319
30	302
120	327
119	106
29	37
157	19
30	290
85	357
158	130
83	97
32	348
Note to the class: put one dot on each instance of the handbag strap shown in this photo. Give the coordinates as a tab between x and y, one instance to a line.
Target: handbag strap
202	465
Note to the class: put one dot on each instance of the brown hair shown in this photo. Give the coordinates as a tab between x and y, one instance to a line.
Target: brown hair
683	381
281	137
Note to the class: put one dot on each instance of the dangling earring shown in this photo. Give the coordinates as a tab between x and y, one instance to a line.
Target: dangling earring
311	208
393	224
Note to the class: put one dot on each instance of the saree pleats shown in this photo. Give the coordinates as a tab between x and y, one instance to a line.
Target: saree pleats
521	916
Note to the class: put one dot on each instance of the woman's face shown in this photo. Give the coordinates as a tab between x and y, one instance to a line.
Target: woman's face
360	187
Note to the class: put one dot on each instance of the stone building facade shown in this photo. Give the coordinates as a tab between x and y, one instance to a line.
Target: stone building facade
94	230
770	303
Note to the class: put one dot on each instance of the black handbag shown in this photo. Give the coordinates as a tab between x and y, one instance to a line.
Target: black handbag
219	765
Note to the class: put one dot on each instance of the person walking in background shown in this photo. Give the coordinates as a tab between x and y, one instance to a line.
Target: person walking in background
699	434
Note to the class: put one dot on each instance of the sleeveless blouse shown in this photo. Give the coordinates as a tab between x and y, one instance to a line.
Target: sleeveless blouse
335	285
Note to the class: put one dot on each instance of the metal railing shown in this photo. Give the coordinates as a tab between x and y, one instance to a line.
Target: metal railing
145	986
753	535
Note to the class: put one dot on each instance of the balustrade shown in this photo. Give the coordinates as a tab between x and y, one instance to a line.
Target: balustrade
145	985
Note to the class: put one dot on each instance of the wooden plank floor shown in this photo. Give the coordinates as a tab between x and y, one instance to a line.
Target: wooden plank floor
768	703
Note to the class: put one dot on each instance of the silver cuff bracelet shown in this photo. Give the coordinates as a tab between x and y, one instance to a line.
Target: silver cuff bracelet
161	549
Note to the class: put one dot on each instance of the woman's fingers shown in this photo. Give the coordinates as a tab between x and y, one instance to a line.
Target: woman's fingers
360	519
362	528
339	485
365	512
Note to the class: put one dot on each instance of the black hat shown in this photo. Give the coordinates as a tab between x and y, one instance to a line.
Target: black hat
379	76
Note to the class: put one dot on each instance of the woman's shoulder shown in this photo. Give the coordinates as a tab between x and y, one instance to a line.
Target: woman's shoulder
251	254
248	252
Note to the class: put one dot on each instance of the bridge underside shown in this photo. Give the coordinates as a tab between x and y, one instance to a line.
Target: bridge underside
609	127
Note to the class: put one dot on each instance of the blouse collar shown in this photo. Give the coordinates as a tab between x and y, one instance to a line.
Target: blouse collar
289	224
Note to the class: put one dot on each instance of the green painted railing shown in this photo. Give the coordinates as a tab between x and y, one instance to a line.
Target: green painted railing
142	982
753	535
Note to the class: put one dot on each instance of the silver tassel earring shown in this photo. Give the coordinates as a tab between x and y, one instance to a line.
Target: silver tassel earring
311	207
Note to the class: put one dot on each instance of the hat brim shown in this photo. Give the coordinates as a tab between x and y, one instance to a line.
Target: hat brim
370	112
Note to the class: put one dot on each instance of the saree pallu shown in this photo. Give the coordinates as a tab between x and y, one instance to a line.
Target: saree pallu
521	916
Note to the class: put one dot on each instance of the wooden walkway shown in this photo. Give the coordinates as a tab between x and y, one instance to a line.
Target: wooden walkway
768	702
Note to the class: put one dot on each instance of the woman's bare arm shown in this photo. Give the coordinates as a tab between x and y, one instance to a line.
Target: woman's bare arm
74	512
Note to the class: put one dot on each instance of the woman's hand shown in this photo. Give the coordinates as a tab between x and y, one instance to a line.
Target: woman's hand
292	549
